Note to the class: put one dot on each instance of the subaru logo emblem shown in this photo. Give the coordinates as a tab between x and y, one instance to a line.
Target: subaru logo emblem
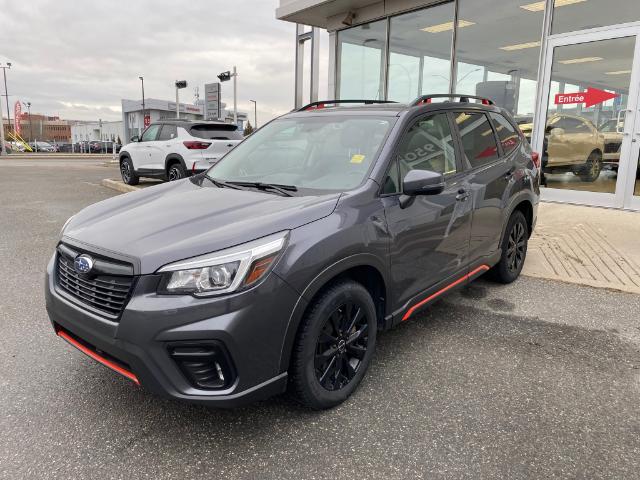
83	264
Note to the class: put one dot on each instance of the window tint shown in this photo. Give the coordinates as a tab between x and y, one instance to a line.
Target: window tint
478	140
216	132
150	133
168	132
428	145
507	135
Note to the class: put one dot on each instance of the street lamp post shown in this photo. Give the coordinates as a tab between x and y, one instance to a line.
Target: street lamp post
226	76
6	93
255	114
28	105
179	85
3	148
144	112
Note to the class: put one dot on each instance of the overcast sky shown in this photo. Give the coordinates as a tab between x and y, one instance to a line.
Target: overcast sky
78	58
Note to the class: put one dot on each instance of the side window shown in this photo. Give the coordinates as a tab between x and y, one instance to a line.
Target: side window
168	132
507	135
428	145
150	133
478	140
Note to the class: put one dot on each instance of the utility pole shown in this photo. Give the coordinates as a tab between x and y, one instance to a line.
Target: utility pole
6	93
144	112
255	114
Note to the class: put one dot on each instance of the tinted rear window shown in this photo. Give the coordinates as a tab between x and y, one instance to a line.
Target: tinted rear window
216	132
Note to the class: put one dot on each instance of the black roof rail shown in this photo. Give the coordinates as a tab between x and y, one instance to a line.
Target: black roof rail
463	99
324	103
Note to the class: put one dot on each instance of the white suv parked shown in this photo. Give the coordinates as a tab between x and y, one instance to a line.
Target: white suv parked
174	149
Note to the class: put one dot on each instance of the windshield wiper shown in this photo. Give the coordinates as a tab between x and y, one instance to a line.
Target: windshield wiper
222	184
282	189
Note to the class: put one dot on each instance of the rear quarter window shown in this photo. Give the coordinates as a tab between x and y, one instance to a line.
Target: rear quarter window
216	132
509	138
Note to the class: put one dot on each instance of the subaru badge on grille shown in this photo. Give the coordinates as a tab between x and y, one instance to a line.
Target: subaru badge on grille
83	264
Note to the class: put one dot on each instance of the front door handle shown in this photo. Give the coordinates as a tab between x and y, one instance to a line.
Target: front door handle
462	195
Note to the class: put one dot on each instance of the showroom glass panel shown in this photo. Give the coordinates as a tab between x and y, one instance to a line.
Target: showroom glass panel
497	53
572	15
361	60
582	149
420	52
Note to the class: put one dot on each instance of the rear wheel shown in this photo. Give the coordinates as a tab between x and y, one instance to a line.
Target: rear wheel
514	249
127	172
334	346
176	172
590	171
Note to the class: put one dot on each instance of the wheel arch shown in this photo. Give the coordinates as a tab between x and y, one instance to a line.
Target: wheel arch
172	159
365	269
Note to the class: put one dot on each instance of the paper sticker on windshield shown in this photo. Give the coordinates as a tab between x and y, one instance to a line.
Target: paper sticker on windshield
357	158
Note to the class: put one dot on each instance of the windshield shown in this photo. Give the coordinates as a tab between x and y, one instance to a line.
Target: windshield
321	152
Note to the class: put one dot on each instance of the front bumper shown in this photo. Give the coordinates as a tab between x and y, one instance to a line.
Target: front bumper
250	325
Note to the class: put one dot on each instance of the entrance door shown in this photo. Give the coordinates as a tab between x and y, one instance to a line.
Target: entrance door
588	129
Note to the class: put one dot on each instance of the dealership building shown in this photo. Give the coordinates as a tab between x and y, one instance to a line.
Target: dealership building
568	70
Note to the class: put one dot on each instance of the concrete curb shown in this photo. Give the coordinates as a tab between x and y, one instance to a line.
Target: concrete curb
118	186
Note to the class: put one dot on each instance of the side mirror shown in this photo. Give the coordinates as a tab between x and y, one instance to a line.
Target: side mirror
556	132
135	138
422	182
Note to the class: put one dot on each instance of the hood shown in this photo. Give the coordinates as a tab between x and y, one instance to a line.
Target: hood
183	219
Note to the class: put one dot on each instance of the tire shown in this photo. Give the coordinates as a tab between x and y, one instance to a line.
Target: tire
127	172
590	171
514	249
176	172
334	346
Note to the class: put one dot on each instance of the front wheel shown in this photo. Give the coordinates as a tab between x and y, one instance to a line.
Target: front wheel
127	172
334	346
590	171
514	249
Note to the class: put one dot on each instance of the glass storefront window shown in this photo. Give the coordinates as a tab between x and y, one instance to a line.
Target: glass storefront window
572	15
497	53
583	137
361	61
420	52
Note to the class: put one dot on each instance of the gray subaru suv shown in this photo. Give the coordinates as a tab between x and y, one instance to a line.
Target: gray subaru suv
277	267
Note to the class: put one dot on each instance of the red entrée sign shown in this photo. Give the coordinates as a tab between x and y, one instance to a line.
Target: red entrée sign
591	97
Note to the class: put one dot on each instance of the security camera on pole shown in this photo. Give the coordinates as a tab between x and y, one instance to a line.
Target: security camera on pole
180	84
225	77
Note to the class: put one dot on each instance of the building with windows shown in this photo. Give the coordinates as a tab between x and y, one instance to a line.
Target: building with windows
96	131
568	70
38	127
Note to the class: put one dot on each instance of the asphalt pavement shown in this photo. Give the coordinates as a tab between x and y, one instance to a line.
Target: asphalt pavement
534	380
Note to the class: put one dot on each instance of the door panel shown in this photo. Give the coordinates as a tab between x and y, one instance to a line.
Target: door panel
146	146
488	181
430	235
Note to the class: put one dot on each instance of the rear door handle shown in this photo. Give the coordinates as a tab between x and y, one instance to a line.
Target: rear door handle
462	195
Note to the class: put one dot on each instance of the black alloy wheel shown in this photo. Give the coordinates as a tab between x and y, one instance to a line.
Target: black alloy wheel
341	346
514	249
334	345
590	171
517	247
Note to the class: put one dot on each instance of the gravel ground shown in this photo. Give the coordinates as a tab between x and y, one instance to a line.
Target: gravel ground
533	380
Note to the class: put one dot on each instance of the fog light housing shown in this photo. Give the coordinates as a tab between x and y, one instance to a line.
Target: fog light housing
206	365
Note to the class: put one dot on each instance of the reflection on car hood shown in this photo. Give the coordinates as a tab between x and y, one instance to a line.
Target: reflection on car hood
183	219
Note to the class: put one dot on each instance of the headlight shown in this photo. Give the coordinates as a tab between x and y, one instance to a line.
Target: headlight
225	271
